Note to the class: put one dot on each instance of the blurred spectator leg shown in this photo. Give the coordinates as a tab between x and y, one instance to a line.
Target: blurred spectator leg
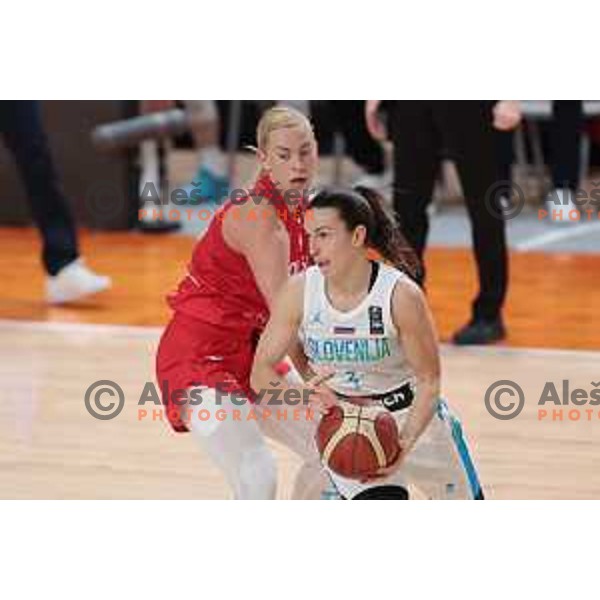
153	186
68	278
211	177
565	161
361	147
416	161
474	142
25	138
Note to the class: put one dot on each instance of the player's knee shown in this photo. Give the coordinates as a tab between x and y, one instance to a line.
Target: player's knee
310	481
257	475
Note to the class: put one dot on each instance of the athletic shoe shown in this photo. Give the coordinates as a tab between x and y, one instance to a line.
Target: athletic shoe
480	331
212	187
73	282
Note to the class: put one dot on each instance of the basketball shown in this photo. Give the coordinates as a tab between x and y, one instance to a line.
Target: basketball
355	441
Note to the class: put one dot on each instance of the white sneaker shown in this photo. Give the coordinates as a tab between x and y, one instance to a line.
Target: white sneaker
560	207
73	282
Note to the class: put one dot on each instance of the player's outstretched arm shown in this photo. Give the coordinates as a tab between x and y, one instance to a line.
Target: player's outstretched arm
416	330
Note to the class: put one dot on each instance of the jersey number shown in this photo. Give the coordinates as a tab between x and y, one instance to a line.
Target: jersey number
353	379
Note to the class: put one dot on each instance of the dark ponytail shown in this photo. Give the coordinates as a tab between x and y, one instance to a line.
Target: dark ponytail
364	206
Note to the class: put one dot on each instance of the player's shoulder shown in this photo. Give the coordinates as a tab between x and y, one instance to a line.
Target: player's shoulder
392	277
408	302
259	218
250	211
390	272
406	291
247	227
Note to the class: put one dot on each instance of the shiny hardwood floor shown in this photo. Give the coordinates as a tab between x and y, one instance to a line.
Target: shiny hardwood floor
552	302
51	447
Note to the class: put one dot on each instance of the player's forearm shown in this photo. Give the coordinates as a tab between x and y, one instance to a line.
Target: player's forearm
262	374
266	377
265	380
300	361
422	410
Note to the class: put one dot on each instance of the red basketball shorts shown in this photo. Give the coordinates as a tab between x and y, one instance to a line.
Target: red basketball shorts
192	353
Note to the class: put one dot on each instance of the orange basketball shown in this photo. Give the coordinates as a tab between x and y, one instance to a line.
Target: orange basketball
355	441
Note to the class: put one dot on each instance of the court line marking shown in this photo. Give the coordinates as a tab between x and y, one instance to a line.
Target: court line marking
62	327
549	237
538	240
448	349
142	331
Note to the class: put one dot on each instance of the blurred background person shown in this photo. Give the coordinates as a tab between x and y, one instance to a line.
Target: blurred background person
420	132
68	278
206	123
211	177
346	117
152	167
564	145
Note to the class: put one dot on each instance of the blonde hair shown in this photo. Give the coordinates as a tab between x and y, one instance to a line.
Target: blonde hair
279	117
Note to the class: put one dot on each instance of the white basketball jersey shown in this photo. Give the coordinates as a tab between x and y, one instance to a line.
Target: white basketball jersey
361	345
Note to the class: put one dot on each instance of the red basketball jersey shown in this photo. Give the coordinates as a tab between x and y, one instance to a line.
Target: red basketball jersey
220	287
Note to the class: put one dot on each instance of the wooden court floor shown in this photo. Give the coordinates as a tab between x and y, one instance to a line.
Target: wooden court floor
552	302
50	446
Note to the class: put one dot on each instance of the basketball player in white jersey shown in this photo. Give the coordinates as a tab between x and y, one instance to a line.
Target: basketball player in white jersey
367	323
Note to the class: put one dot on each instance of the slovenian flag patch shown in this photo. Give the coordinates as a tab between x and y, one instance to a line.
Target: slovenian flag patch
343	330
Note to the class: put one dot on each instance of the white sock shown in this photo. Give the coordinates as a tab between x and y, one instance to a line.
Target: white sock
237	447
149	171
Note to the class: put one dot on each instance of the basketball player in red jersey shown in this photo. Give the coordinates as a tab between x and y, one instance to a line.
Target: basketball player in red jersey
238	267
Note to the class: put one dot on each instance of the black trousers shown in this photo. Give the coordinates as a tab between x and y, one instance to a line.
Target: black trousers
423	131
565	143
23	132
348	118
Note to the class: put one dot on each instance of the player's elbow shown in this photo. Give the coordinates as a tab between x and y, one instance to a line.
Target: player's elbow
255	376
430	380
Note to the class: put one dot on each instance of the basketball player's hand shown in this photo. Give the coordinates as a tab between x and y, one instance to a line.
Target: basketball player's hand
321	397
374	125
405	447
386	472
507	115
